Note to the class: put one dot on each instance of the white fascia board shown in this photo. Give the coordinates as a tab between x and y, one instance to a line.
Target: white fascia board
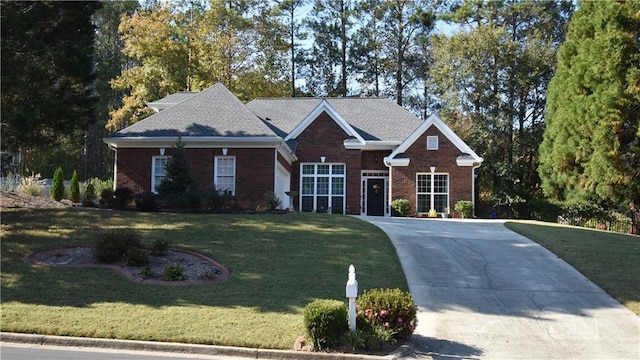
389	161
193	141
326	107
469	162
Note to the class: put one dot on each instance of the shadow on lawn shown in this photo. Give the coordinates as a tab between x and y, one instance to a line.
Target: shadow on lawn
302	271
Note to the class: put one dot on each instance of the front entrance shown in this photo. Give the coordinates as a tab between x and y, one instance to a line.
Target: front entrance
375	197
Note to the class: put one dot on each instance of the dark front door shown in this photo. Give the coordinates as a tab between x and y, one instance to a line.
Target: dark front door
375	197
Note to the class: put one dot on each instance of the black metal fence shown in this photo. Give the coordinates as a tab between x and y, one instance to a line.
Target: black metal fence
611	221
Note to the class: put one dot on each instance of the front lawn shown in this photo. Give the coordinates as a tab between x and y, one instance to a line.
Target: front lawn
611	260
278	264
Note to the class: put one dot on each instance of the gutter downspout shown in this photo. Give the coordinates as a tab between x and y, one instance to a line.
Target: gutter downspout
390	194
473	187
115	164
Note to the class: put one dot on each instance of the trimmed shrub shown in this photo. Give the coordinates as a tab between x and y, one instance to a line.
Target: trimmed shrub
160	247
122	197
174	273
112	246
272	201
326	322
57	187
106	198
390	313
400	207
89	198
74	188
147	202
213	200
136	257
464	208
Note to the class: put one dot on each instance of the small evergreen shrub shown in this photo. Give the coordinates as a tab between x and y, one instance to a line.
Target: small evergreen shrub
57	187
272	201
401	207
106	198
136	257
89	197
74	188
326	322
387	313
147	202
464	208
214	200
122	197
112	246
174	273
160	247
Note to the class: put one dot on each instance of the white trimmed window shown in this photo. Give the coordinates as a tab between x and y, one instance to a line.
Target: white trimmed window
322	187
158	171
224	173
432	143
432	192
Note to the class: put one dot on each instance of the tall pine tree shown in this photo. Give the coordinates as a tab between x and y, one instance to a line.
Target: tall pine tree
591	146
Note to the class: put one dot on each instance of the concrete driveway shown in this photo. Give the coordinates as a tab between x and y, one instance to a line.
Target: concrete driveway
485	292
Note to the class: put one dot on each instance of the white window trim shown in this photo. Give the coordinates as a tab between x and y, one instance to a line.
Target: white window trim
432	143
331	176
432	194
153	171
215	172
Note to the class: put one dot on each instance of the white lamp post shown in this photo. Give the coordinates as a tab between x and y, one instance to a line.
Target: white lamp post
352	294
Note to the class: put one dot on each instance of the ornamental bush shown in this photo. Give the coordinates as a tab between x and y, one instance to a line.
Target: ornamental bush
74	188
464	208
388	312
326	322
112	246
89	195
401	207
57	187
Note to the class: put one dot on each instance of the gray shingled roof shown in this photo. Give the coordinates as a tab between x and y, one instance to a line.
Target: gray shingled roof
212	112
373	118
171	100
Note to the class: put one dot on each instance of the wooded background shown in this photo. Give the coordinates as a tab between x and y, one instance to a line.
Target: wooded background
548	96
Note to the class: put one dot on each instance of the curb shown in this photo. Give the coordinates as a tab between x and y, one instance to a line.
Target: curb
253	353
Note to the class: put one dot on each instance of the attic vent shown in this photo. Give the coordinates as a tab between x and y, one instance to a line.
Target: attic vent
432	143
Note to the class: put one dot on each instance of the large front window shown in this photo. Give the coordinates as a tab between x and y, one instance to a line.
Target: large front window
158	171
322	187
224	176
433	192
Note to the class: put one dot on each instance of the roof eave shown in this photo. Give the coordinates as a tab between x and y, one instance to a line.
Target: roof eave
191	141
388	161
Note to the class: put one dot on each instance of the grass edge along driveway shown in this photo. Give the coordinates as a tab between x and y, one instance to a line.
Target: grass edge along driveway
278	264
610	260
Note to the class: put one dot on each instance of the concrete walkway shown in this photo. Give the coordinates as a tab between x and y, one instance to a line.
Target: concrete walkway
485	292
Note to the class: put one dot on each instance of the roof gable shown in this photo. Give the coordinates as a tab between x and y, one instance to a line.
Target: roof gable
324	106
469	158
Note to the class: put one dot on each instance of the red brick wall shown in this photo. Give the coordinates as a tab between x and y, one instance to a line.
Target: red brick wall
444	159
325	138
254	170
372	160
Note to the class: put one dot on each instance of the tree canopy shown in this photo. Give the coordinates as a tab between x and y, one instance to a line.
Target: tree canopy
591	147
47	74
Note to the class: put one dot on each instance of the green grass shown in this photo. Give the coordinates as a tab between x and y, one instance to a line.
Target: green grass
610	260
278	264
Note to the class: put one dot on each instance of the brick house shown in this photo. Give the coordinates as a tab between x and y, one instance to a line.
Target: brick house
339	155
